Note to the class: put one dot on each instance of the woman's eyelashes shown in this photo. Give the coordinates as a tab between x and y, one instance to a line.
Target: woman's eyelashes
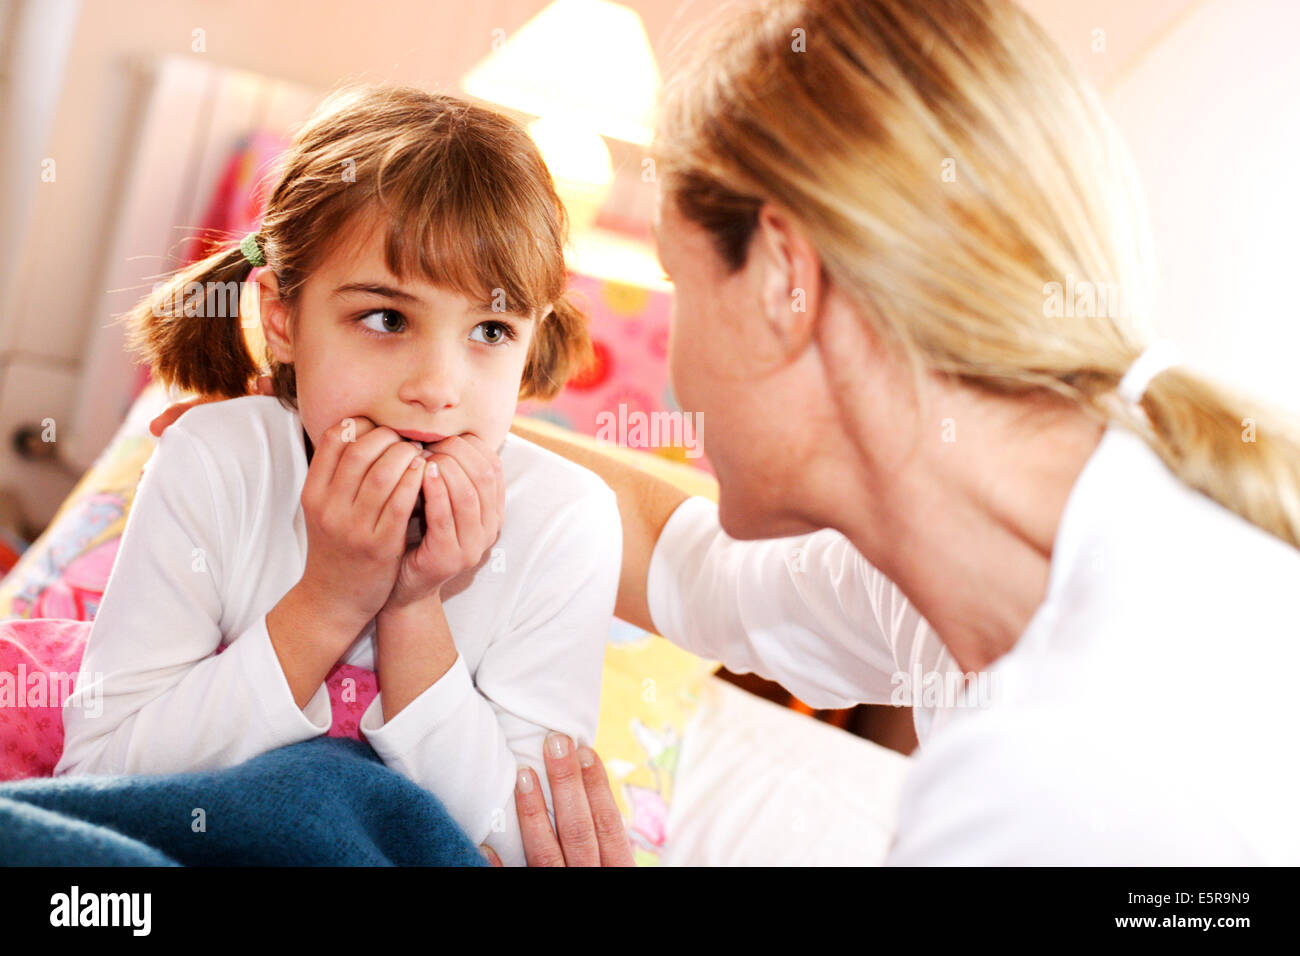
391	322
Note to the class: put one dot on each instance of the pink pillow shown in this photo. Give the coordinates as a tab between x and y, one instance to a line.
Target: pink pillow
39	661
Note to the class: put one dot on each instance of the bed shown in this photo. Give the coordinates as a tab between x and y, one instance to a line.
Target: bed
704	772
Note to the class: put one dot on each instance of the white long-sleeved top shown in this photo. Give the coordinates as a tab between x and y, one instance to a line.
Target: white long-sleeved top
1145	716
216	537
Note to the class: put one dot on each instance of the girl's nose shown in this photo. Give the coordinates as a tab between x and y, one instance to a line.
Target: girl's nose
434	380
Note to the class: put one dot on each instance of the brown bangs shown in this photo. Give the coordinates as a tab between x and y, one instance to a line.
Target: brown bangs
463	199
463	219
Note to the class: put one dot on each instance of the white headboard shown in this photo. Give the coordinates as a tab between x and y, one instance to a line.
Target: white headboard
189	118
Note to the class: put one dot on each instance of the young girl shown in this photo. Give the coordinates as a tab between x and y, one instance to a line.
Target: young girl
412	292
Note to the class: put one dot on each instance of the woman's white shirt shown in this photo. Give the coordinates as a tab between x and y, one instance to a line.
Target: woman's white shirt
1144	716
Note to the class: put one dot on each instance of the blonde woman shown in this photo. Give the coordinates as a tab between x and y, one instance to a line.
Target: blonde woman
932	464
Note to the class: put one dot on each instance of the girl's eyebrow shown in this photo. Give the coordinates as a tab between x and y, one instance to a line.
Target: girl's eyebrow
376	288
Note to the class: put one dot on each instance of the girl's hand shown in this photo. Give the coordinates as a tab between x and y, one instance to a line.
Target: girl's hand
357	500
591	831
464	506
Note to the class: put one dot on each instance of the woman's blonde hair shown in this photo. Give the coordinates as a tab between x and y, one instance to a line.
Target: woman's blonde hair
965	189
467	201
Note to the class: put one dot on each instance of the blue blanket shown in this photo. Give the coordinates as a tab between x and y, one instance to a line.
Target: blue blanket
324	802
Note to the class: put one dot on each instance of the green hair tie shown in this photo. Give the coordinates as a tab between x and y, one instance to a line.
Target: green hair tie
251	250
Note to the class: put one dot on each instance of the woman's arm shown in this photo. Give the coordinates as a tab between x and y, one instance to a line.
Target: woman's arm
808	612
645	504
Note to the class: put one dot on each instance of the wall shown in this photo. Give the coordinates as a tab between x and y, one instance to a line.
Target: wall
1210	114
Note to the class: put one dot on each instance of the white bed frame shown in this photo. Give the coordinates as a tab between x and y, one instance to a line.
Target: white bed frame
188	119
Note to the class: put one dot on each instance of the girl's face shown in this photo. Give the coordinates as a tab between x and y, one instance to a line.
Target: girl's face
418	358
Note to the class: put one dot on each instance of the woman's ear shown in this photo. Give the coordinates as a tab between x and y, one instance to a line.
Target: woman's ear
275	317
791	278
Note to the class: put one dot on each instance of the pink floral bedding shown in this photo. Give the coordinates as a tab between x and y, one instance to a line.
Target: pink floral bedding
39	660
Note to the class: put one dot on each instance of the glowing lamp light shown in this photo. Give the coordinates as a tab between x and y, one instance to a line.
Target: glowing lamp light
583	61
580	164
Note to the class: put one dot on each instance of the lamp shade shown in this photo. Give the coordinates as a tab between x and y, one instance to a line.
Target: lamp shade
580	61
580	165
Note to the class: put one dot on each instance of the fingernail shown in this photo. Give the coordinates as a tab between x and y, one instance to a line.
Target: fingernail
432	470
525	781
586	757
417	461
558	744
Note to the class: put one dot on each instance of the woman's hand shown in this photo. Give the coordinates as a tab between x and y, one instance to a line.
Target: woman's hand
173	412
590	827
464	506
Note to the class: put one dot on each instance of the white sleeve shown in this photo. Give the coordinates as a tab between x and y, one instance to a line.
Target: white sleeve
152	695
466	744
807	612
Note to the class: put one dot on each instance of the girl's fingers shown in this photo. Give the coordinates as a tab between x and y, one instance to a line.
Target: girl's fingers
380	480
356	459
466	516
329	452
541	848
437	506
396	514
485	473
489	478
490	854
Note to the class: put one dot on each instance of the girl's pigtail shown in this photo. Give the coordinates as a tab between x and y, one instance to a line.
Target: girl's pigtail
561	349
189	328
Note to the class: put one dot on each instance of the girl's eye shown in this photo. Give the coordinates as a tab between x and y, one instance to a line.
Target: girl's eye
386	316
495	333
